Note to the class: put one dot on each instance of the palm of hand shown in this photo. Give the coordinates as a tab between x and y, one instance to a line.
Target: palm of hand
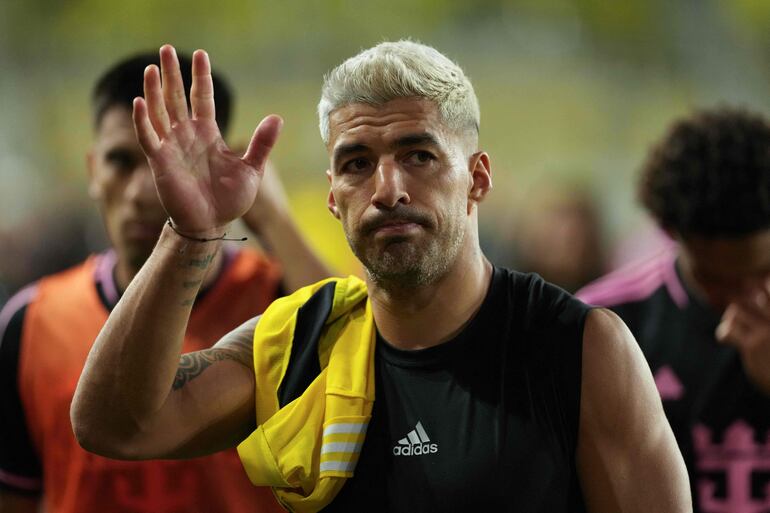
201	183
216	185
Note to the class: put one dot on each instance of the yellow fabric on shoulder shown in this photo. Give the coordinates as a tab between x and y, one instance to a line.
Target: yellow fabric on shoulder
307	449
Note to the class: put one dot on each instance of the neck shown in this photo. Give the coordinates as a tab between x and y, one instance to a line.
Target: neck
432	314
125	272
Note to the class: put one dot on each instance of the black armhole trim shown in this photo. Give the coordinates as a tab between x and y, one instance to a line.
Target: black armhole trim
576	490
577	378
103	296
17	454
304	365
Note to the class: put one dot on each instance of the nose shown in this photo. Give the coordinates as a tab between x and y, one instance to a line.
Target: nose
389	185
141	187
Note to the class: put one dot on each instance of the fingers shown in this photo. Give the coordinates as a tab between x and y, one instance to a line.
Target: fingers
740	327
263	141
145	132
754	303
154	98
173	86
202	90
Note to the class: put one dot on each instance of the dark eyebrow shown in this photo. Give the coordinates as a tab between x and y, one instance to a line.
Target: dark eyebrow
416	140
344	150
347	149
122	152
119	150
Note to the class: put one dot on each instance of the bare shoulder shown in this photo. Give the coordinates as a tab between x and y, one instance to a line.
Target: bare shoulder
236	346
603	326
608	343
616	376
627	456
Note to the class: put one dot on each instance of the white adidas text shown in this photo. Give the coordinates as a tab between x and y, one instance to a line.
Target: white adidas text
415	443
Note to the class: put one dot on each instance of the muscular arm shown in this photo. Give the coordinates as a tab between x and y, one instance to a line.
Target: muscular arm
627	456
131	401
161	405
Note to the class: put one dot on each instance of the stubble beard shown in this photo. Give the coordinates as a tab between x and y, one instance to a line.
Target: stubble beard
406	264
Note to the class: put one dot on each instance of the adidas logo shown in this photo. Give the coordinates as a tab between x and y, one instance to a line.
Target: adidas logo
415	443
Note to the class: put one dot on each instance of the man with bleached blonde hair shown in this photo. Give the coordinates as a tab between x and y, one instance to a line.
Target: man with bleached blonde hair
402	70
441	383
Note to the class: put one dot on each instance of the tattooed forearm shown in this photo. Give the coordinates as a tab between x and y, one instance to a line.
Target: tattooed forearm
191	284
201	263
192	365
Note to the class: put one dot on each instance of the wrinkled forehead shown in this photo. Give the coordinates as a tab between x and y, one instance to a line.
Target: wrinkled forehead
381	125
355	116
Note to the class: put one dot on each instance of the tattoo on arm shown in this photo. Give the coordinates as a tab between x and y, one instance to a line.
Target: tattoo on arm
201	263
192	365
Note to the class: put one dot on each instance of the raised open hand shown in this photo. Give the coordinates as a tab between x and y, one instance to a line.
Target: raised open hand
202	184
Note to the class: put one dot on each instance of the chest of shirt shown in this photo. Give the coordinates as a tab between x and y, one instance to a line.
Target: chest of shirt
439	436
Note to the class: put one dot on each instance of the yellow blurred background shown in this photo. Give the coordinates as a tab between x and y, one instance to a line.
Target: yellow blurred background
572	93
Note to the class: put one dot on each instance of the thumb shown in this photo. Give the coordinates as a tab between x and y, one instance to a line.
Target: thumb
735	329
263	140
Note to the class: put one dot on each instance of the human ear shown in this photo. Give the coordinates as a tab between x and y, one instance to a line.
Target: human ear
331	202
481	177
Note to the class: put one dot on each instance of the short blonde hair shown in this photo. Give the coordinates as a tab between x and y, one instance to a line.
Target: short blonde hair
401	69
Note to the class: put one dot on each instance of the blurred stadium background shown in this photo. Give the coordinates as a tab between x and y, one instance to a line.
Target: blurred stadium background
572	93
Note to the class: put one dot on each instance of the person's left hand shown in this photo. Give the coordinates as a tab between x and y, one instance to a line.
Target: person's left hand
745	325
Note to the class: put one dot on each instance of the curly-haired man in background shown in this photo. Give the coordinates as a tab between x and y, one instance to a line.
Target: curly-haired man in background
701	310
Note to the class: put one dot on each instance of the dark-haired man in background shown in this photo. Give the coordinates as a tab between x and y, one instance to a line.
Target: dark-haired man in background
701	310
47	330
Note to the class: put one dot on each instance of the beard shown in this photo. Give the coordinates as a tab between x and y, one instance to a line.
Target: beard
407	261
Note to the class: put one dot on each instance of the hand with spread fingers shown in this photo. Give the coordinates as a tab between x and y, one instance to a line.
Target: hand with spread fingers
745	325
202	184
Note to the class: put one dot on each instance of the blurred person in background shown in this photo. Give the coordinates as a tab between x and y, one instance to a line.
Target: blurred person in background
64	228
561	239
701	308
442	383
47	329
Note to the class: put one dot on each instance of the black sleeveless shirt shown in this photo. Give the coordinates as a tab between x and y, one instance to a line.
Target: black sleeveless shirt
485	422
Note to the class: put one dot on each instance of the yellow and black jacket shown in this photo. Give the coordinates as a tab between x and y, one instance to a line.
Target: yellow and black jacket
314	369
